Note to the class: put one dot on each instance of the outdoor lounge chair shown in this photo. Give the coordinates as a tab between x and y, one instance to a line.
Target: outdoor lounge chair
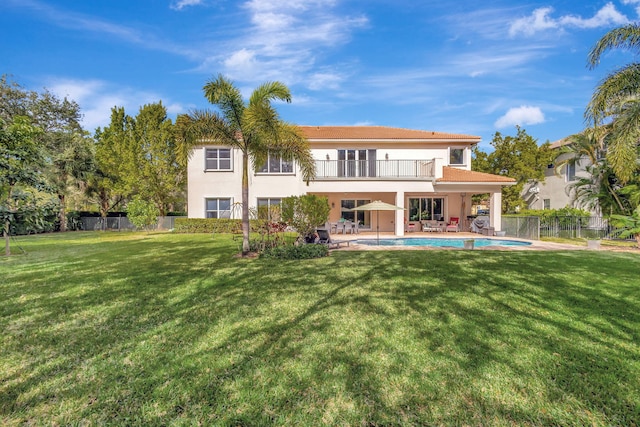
454	224
431	226
324	237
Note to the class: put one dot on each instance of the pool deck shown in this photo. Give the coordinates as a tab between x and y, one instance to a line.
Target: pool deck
535	244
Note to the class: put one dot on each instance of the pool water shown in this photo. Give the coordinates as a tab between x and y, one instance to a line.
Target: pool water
456	243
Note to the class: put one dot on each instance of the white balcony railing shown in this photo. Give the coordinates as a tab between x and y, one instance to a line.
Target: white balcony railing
357	170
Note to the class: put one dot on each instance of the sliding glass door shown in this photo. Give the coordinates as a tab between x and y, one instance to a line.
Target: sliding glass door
426	208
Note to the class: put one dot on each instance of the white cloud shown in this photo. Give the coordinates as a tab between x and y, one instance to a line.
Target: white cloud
523	115
319	81
283	42
541	20
96	98
636	2
243	58
181	4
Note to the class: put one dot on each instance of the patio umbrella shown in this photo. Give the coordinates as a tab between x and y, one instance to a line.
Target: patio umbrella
378	206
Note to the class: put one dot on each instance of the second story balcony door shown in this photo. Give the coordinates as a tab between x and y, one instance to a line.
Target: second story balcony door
354	163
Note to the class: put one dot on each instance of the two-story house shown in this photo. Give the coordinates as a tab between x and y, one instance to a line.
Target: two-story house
426	173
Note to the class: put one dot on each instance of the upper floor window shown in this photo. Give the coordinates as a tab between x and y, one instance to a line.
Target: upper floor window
571	172
218	159
276	164
218	208
456	156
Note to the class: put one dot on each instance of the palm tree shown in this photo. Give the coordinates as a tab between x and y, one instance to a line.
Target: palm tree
617	99
628	226
254	128
601	190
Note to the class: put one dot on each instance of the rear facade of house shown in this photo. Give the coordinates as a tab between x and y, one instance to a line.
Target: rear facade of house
426	173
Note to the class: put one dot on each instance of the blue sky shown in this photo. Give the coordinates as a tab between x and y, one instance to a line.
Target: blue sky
464	67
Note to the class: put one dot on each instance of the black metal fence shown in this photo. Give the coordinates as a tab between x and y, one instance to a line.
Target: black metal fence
122	223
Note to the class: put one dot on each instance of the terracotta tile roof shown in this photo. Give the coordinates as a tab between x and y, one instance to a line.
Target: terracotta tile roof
450	174
380	133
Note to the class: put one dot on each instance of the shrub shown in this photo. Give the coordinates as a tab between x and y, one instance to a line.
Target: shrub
142	214
296	252
305	213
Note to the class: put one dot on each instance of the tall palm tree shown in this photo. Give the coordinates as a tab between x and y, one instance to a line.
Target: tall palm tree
254	128
617	99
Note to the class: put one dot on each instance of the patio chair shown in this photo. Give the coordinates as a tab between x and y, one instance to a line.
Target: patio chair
324	237
454	224
430	226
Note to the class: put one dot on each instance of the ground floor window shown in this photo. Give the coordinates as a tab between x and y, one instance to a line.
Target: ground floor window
363	217
269	208
546	204
426	208
217	208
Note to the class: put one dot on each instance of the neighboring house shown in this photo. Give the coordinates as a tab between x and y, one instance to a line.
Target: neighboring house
427	173
556	191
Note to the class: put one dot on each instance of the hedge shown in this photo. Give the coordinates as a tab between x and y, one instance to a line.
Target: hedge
214	225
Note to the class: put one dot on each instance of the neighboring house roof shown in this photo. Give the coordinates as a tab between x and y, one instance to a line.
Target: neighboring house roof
560	143
450	174
382	133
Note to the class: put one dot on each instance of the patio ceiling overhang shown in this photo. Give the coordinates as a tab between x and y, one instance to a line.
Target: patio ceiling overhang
462	180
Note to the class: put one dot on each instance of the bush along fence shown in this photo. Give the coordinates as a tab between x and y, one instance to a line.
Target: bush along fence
569	227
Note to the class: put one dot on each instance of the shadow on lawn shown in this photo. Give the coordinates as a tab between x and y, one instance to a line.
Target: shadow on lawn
185	331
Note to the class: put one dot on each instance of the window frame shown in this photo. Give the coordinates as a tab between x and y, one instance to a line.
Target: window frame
570	172
269	204
217	159
218	210
464	156
426	205
346	212
266	169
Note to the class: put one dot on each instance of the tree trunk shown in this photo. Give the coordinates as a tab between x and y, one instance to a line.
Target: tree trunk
5	232
245	203
62	215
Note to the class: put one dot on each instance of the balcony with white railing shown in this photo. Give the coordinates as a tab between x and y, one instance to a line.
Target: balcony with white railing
363	170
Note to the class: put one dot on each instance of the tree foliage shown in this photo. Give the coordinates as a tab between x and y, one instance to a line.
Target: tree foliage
601	189
305	213
20	165
138	156
142	213
616	101
67	149
519	157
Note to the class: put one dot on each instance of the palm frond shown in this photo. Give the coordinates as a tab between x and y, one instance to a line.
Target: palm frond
612	90
209	126
222	93
625	37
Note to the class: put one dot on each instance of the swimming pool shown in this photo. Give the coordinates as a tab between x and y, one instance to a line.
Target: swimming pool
456	243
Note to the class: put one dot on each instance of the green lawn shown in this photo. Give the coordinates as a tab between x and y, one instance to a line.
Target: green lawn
162	329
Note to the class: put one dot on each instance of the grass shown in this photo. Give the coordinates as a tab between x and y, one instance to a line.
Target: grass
583	242
162	329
